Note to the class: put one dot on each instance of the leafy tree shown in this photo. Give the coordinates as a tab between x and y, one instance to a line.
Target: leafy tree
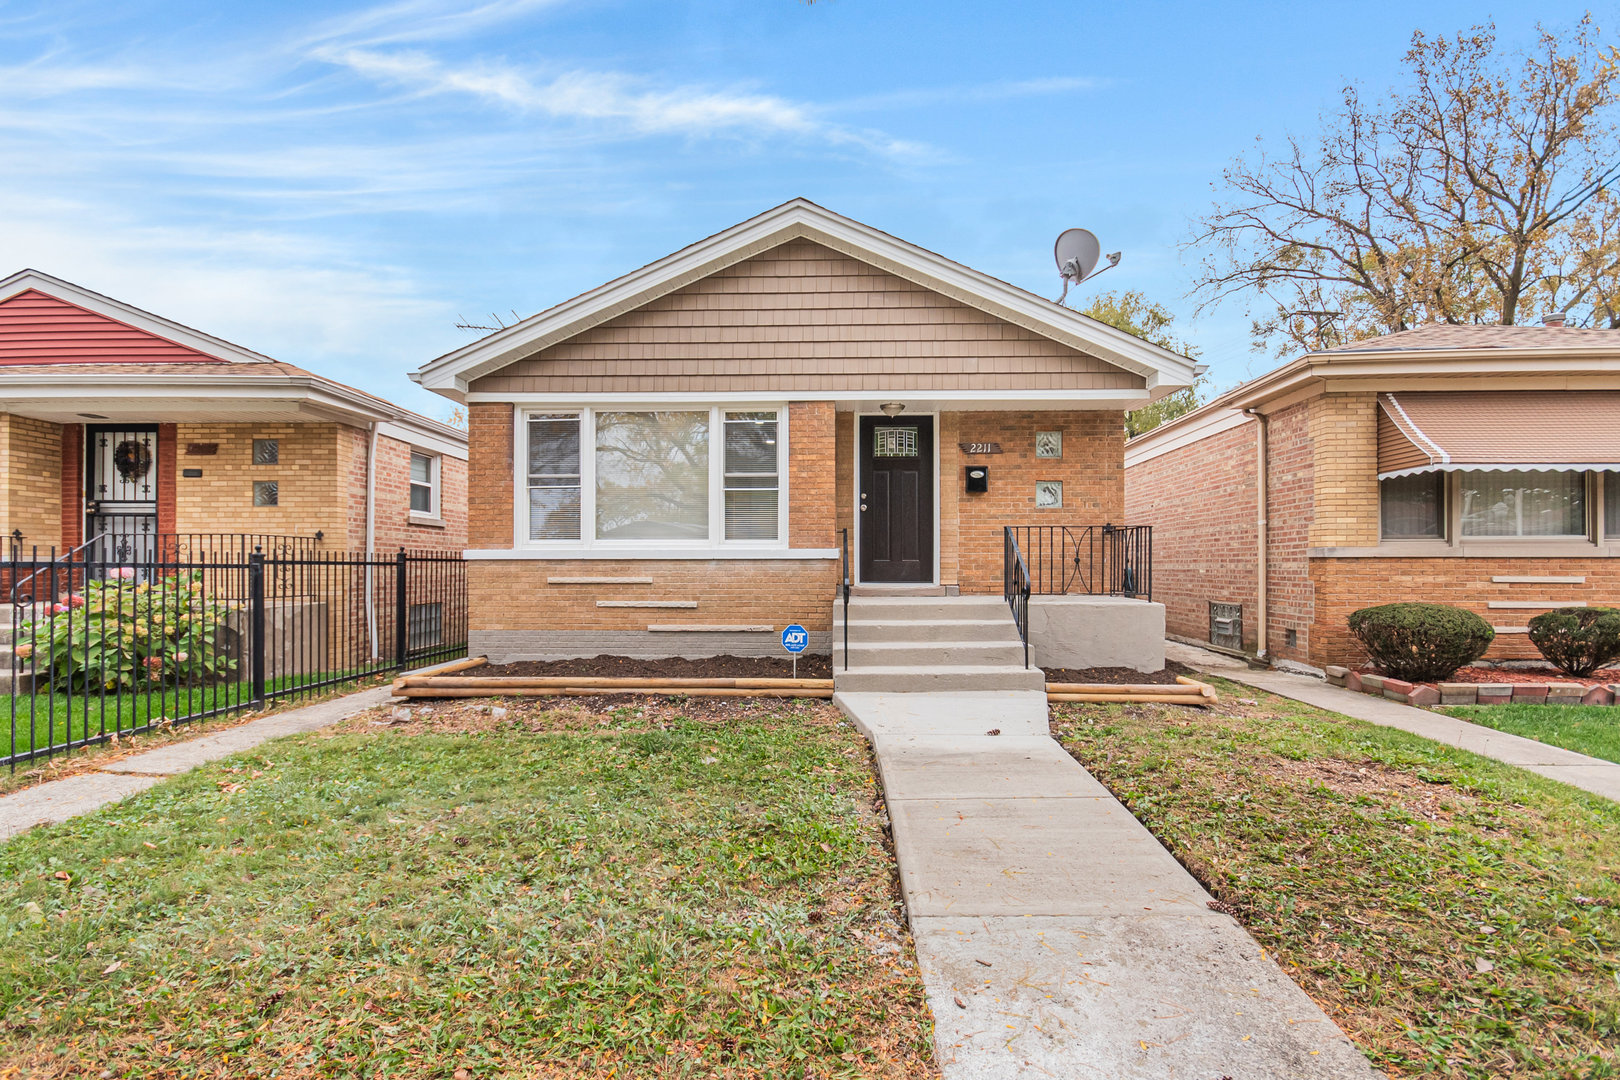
1480	192
1136	314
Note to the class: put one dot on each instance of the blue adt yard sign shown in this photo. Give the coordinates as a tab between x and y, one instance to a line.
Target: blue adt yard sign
794	639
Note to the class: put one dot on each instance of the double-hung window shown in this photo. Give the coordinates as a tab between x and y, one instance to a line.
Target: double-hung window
691	477
753	488
424	484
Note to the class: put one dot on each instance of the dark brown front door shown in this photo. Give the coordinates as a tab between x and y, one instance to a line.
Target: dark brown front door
897	499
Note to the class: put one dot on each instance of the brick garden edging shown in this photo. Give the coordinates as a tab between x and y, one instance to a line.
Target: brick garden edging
1448	693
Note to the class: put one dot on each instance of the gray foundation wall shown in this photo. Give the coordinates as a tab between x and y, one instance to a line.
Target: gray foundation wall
505	646
1096	631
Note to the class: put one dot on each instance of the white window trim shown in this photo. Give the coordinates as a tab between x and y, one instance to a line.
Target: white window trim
587	544
433	515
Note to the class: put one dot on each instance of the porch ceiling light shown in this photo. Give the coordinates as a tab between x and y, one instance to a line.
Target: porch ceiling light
891	409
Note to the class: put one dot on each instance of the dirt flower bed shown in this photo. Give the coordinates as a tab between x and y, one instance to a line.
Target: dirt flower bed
1601	677
1120	675
811	666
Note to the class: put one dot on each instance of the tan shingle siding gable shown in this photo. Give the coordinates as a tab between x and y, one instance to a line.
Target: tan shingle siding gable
802	317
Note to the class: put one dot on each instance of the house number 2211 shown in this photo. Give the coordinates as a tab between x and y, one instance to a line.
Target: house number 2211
980	447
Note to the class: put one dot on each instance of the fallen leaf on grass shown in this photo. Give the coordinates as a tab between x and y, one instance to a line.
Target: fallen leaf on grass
112	967
1483	966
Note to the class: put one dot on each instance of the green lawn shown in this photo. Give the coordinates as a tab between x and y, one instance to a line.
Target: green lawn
45	719
553	894
1586	729
1457	917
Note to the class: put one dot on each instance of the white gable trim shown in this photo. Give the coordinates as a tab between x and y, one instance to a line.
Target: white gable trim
106	306
1163	370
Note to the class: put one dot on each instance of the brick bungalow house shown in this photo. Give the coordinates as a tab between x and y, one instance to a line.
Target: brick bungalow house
125	426
1477	466
667	464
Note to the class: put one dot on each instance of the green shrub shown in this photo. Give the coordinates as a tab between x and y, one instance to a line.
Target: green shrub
117	635
1421	642
1576	640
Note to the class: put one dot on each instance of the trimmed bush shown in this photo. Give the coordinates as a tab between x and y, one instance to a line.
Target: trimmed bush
1577	640
1421	642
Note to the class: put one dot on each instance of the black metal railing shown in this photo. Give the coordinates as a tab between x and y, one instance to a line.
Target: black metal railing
1015	585
1097	560
105	648
844	589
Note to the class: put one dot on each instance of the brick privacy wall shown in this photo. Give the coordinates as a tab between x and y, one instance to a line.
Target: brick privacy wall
1344	585
1344	440
491	482
844	496
1202	503
1290	490
799	317
1092	470
392	525
168	471
352	451
71	470
309	476
515	594
31	465
812	474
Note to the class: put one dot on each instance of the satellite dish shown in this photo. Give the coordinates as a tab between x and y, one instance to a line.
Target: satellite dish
1077	252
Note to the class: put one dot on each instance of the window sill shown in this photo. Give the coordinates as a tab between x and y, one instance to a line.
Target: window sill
668	553
1521	549
426	520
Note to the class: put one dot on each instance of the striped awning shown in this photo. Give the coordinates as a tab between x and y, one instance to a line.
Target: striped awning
1448	431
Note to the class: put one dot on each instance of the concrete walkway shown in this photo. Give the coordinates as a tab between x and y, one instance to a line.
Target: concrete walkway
1057	937
1578	770
58	800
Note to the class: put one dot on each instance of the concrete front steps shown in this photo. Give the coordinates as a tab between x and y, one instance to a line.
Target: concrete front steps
923	644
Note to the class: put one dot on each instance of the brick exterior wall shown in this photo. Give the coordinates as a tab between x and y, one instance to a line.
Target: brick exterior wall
517	594
308	474
1201	502
167	472
1344	443
812	474
393	526
72	473
1290	513
1092	470
31	468
1343	585
491	482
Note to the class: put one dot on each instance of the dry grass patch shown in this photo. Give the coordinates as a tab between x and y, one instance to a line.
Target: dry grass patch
1457	917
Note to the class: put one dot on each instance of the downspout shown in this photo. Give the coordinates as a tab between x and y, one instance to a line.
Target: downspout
1262	528
371	527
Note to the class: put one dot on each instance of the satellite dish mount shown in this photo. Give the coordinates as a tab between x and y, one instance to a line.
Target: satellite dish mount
1077	252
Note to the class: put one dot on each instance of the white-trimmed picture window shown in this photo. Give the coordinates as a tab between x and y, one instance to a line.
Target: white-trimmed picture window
689	476
554	476
753	484
1523	503
652	475
424	483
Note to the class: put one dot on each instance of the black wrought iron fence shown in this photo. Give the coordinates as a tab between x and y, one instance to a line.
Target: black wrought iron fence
1106	560
102	647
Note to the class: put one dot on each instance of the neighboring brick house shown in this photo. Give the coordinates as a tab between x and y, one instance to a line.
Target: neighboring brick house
119	427
1470	465
666	464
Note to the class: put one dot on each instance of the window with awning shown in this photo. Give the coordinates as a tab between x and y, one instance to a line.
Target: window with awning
1500	465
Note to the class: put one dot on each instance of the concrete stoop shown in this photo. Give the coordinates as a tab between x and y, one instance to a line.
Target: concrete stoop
1056	935
921	644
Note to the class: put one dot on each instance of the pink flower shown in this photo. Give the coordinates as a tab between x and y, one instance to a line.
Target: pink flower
124	573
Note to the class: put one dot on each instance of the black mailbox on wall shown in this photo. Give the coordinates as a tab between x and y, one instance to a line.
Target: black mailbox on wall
978	478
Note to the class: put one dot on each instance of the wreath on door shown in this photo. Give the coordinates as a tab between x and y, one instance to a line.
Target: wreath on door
132	458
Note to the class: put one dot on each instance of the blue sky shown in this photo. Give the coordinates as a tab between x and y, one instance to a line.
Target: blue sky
337	186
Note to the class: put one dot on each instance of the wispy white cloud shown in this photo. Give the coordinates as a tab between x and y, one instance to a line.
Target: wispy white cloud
416	21
611	97
925	97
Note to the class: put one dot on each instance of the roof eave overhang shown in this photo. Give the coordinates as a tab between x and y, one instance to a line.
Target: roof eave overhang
1162	370
330	399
